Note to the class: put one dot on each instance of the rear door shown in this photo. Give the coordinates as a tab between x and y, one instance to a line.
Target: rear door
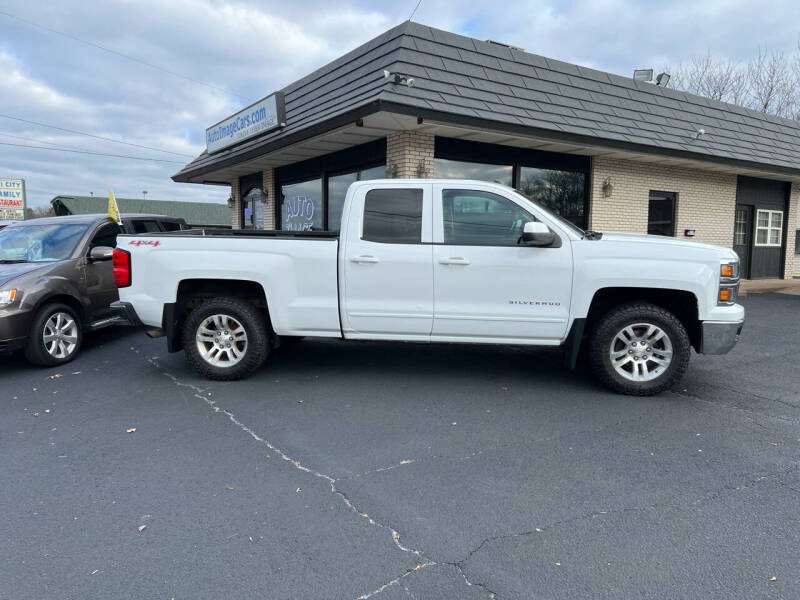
488	287
386	271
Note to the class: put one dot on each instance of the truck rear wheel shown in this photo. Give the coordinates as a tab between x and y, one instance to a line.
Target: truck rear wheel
639	349
226	338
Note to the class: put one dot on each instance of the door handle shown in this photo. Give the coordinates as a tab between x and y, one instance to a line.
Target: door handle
365	258
454	260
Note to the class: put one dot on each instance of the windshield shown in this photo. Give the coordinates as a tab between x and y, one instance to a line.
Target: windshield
39	243
568	224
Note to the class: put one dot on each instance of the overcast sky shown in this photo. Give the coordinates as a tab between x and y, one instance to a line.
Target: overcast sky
254	48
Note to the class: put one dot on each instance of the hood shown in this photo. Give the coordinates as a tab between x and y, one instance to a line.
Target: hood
9	272
662	240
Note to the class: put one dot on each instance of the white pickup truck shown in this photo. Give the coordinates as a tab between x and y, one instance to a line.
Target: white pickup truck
437	261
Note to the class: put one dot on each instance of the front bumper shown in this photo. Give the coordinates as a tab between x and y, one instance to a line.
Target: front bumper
718	337
15	325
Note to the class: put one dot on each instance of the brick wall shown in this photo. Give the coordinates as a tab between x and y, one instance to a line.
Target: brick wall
409	154
269	205
236	213
706	200
792	267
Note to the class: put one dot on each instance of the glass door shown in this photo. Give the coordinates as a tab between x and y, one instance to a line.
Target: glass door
253	208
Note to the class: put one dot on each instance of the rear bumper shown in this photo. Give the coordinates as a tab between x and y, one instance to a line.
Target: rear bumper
127	313
718	337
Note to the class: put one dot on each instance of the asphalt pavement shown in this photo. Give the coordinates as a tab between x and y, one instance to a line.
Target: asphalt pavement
401	471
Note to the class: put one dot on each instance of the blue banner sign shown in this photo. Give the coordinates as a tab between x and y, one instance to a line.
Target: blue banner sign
262	116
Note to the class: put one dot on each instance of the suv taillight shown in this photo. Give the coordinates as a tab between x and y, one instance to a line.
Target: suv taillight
122	267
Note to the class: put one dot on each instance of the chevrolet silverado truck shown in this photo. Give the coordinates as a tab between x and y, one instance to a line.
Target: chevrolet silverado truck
437	261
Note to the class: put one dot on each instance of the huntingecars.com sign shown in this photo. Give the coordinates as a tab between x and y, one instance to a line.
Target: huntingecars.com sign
262	116
12	199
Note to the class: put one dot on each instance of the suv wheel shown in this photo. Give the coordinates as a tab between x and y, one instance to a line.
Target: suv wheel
56	336
226	338
639	349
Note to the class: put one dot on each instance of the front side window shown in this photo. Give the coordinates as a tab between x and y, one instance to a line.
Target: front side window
661	213
40	243
481	218
769	227
301	206
393	216
561	192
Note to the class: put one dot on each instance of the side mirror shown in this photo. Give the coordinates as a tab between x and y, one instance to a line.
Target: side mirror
99	253
535	233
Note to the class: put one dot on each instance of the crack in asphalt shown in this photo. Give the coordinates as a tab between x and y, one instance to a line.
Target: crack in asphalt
422	560
461	564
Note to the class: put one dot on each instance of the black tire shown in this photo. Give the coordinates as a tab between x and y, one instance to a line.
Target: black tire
35	349
617	319
253	321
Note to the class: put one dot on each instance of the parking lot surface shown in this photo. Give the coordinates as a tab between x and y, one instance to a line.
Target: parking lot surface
350	470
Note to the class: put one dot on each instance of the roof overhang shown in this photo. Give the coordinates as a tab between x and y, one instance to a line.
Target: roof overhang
380	118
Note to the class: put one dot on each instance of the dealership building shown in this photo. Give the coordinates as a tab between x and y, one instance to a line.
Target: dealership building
604	151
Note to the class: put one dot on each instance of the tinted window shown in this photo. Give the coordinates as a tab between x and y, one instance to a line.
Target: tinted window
170	225
301	206
562	192
481	218
661	213
145	227
393	216
106	236
337	189
457	169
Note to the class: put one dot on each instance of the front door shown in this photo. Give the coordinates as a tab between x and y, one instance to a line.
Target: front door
488	287
99	275
386	270
742	237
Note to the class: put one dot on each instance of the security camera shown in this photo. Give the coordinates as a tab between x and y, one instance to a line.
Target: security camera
410	82
386	74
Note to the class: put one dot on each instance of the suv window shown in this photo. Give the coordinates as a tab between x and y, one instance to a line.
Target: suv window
106	236
145	227
393	216
473	218
171	225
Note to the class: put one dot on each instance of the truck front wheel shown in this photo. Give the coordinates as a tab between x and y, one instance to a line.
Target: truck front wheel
639	349
226	338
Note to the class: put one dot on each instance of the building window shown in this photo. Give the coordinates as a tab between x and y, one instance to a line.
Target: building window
473	218
458	169
301	206
661	213
740	227
562	192
393	216
769	227
337	190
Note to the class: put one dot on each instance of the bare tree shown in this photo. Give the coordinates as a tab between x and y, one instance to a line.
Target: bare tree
39	212
772	84
704	75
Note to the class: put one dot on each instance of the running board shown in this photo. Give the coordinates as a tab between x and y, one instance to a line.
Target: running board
107	322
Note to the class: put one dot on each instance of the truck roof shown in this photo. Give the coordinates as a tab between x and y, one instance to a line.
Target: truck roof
95	218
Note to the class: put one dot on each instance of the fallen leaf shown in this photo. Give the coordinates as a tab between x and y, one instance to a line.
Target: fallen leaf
296	463
299	401
36	414
268	456
558	564
251	537
406	462
47	410
773	578
56	376
454	423
95	571
141	528
130	430
154	358
229	488
76	372
538	530
298	490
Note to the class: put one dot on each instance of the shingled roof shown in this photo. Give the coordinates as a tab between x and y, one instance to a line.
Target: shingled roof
483	84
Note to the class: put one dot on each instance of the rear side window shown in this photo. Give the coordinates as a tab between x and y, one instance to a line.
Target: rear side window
106	236
170	225
145	227
393	216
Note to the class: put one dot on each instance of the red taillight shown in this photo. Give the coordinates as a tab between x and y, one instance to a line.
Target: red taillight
122	267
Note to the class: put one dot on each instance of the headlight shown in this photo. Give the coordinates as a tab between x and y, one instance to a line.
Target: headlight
7	296
728	282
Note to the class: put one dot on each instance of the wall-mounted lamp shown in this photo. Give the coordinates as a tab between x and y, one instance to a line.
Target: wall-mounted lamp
608	188
698	133
422	170
230	201
663	79
264	196
643	75
689	232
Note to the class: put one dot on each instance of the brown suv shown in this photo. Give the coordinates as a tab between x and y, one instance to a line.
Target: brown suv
57	281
